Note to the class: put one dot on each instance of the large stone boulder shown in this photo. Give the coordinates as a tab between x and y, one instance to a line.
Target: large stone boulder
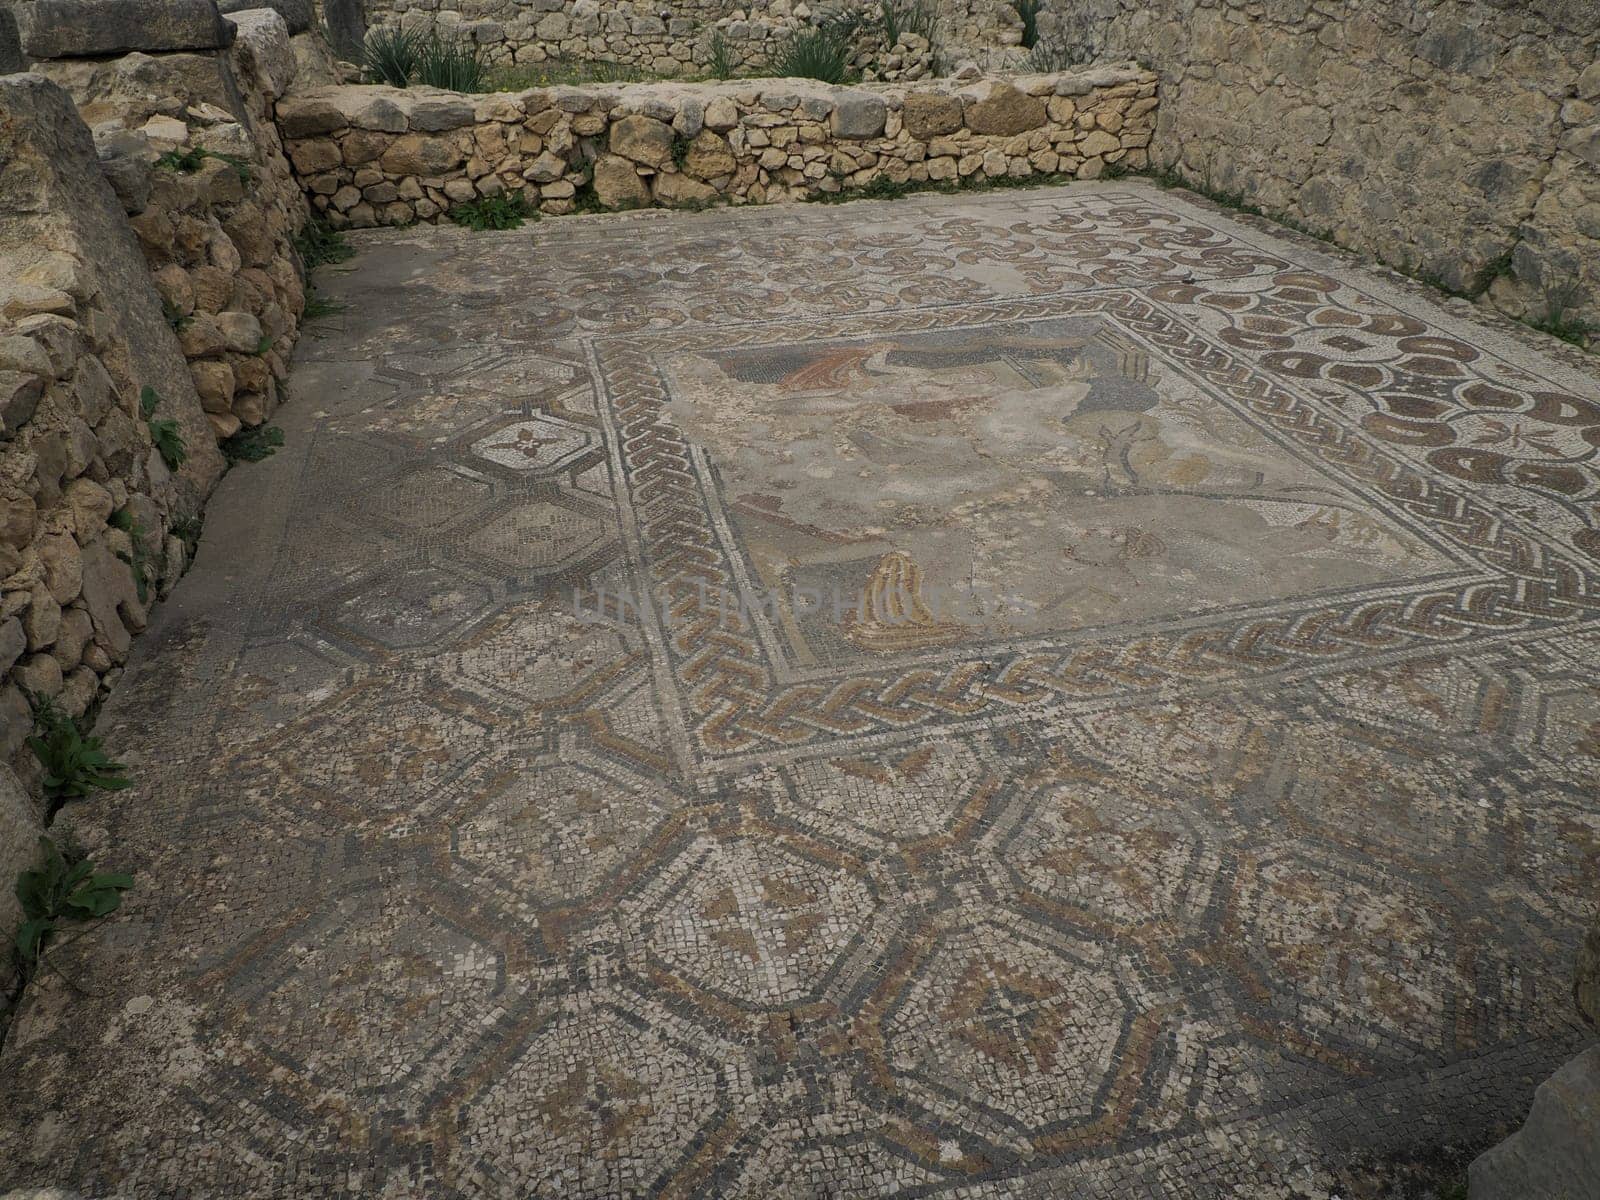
858	115
264	49
1556	1153
97	28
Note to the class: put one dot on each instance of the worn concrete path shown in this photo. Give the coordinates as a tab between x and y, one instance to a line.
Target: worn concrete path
1051	693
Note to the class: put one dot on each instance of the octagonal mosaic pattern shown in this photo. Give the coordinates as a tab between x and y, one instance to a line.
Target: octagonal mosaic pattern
1043	695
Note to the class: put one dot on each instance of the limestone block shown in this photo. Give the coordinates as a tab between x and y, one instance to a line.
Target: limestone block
643	140
709	156
20	829
1001	110
858	115
617	183
296	14
927	115
99	28
11	59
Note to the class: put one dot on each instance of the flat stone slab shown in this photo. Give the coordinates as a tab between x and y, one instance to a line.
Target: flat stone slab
96	28
1059	693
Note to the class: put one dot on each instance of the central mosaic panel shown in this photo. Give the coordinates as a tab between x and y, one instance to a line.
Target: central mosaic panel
862	526
898	493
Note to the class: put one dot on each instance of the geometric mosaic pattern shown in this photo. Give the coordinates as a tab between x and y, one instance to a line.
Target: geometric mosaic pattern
1046	694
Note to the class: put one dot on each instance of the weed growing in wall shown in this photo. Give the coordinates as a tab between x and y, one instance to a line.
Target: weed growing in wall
62	889
252	445
74	765
505	211
318	245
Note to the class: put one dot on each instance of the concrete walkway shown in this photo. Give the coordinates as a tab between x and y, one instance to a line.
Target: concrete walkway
1047	694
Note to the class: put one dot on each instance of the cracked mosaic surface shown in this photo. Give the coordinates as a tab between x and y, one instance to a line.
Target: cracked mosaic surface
1054	694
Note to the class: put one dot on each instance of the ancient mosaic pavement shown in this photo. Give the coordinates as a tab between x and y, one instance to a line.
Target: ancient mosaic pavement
1053	694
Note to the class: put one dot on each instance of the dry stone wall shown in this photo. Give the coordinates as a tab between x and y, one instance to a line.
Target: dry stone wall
381	156
147	216
86	499
190	143
662	36
1439	135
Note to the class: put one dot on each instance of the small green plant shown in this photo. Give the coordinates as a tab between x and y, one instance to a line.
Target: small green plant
190	159
264	344
450	63
822	52
59	890
252	445
505	211
680	150
1497	267
186	161
74	765
555	72
391	54
1028	10
720	64
164	432
319	245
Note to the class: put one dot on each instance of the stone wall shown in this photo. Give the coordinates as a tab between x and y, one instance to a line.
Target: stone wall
147	217
662	36
381	156
190	143
86	500
1437	135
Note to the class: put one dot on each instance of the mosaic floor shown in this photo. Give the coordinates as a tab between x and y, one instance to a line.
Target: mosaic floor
1045	694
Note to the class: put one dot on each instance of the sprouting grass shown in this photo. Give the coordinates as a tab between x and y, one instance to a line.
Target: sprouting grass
1047	58
822	52
450	63
390	55
318	245
720	64
1559	322
191	158
901	17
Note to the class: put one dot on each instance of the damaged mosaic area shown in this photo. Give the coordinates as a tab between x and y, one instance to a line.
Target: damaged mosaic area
1055	694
